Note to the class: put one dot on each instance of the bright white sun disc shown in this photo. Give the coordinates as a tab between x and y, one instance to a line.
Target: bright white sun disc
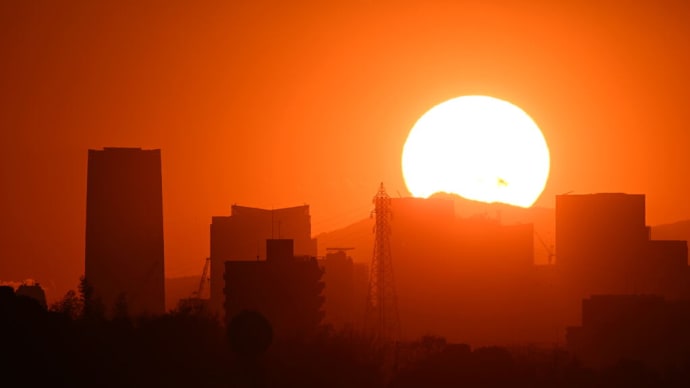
480	148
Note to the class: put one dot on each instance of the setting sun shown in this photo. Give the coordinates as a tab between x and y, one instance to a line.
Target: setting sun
480	148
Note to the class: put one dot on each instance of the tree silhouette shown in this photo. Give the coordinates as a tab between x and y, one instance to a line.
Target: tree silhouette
92	306
121	309
70	305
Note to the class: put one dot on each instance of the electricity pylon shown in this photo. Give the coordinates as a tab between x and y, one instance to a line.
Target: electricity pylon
382	305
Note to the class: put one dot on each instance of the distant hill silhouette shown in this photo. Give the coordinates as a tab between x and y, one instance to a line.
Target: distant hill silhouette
359	235
179	288
674	231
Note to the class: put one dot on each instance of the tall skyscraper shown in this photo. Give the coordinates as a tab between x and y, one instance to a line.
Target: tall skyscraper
124	229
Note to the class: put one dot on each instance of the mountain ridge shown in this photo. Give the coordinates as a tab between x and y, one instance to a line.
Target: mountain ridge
359	234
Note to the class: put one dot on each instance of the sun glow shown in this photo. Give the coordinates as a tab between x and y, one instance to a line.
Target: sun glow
480	148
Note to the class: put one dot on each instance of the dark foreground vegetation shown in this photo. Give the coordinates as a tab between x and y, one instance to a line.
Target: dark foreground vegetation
72	344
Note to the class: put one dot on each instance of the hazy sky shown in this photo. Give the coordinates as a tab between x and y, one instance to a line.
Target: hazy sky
275	104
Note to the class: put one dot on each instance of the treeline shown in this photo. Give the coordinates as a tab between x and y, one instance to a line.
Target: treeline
70	345
460	366
73	344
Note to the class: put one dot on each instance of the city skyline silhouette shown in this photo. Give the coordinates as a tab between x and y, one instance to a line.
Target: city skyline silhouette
634	292
189	193
604	246
320	104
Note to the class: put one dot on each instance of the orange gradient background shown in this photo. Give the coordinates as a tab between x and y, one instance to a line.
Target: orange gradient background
273	104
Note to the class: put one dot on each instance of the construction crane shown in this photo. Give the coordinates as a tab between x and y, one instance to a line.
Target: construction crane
196	302
205	278
549	250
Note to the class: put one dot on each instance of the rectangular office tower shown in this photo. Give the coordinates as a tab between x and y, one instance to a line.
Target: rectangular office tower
602	229
601	242
124	230
603	246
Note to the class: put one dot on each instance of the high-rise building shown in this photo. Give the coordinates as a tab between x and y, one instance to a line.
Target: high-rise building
442	263
285	289
124	259
603	229
242	236
603	246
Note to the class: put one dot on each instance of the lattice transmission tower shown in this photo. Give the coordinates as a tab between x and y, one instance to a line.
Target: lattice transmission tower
382	305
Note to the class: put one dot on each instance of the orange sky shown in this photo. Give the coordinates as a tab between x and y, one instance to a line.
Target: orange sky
277	104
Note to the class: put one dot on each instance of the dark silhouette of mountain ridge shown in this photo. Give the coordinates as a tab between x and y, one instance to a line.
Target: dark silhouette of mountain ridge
673	231
359	235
